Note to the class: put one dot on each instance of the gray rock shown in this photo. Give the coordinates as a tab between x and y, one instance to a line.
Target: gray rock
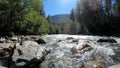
2	40
7	45
26	52
14	39
3	67
26	38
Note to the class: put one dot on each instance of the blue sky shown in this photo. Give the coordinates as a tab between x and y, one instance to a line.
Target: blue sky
54	7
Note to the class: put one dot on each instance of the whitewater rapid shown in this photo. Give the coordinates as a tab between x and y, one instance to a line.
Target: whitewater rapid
61	56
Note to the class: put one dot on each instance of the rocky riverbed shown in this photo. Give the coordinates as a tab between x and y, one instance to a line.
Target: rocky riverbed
59	51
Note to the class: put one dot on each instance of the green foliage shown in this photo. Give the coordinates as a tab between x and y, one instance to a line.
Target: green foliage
57	29
72	15
70	27
10	13
22	17
98	17
53	28
66	25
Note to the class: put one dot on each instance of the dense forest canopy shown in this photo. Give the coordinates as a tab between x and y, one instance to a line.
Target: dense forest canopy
101	17
27	17
24	17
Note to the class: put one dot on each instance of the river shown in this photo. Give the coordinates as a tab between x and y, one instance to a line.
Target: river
62	57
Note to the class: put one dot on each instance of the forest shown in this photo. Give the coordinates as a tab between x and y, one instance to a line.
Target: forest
91	17
24	17
97	17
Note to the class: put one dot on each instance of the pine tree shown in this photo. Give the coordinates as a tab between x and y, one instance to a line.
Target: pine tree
72	15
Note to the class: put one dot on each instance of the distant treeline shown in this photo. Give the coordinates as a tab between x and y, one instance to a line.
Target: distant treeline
99	17
25	17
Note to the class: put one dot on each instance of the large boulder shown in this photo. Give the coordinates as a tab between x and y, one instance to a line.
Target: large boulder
28	53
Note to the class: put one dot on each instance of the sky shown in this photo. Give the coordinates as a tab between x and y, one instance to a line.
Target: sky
54	7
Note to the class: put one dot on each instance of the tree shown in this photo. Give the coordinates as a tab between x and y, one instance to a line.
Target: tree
22	17
108	5
10	13
51	25
72	15
98	16
117	7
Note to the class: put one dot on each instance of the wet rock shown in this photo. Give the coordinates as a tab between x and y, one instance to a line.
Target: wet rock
29	53
74	50
48	39
108	40
2	53
7	45
69	38
5	56
96	64
40	41
75	40
85	46
2	40
3	67
59	40
9	41
33	38
14	39
26	38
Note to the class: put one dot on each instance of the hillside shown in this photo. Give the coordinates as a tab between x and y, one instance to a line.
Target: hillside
59	18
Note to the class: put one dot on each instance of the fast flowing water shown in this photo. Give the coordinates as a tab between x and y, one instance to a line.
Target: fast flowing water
62	57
